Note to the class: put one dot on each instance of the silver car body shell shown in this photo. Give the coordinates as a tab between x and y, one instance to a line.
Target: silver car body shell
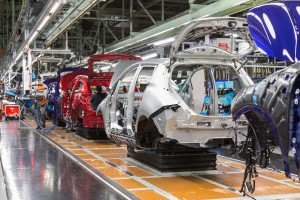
182	124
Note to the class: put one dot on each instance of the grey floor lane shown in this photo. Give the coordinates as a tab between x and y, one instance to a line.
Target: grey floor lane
35	170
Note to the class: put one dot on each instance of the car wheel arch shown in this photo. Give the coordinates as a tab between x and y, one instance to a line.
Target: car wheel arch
147	134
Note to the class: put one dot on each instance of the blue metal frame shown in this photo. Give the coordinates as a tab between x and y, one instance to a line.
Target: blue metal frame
274	28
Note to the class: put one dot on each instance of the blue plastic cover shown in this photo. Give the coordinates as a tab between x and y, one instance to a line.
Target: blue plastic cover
274	28
206	100
50	80
226	99
9	93
220	84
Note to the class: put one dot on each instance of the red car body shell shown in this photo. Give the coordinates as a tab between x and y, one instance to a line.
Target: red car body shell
63	87
79	106
77	97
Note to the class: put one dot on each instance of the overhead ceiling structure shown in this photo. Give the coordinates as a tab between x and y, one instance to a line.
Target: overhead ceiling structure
124	26
8	17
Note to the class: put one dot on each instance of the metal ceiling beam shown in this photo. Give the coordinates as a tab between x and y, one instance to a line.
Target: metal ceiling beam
69	18
106	19
172	27
146	11
25	44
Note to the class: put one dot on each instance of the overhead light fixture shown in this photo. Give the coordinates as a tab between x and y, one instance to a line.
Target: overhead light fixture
164	41
72	20
41	26
32	37
148	56
54	8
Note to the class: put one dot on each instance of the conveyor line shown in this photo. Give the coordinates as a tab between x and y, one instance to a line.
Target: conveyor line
110	160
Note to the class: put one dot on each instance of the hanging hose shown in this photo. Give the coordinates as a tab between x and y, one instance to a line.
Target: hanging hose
46	131
250	173
265	156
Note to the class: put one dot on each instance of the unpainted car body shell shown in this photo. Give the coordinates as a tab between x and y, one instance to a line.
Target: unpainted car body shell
161	104
171	115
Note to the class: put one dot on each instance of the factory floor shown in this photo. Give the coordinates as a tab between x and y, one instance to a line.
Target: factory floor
62	166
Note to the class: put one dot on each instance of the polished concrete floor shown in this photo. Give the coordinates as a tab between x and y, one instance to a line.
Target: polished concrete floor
62	166
36	170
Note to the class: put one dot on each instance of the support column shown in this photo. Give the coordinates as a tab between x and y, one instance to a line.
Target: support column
162	10
123	13
131	18
26	74
13	10
104	37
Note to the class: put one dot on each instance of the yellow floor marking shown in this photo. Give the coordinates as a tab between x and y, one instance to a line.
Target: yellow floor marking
69	146
186	187
112	172
130	184
225	169
87	157
263	186
136	171
108	151
148	195
190	186
78	152
115	155
96	163
276	175
119	162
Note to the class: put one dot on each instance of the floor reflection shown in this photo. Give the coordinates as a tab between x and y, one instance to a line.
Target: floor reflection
35	170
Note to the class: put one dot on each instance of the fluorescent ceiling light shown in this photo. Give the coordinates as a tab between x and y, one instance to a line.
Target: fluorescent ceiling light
32	37
152	55
164	41
54	8
41	26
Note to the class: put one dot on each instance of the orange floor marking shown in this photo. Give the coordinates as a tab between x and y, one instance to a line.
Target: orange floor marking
78	152
61	142
115	155
96	163
112	172
120	162
99	145
130	183
148	195
225	169
187	187
275	175
263	186
69	146
136	171
108	151
86	157
235	164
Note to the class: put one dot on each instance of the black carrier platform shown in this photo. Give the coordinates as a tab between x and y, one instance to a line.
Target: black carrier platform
176	158
91	133
59	122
